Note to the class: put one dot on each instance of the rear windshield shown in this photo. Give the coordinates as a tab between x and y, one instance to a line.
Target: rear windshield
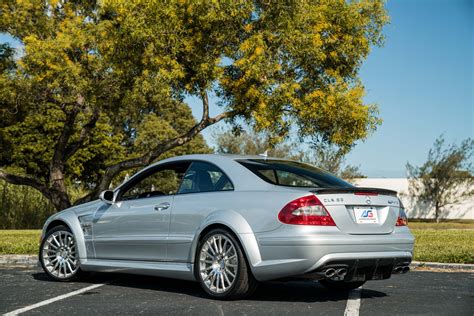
293	174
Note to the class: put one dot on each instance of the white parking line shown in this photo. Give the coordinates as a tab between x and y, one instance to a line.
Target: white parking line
54	299
353	303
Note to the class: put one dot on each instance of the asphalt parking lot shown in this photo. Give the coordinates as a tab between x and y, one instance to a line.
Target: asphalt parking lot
418	292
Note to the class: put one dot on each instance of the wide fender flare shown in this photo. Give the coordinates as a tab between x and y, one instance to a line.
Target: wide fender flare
69	218
239	226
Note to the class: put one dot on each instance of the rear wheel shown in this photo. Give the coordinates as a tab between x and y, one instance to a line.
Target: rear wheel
58	254
221	267
341	285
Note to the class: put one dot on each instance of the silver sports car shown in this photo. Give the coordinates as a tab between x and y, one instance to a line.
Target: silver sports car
229	222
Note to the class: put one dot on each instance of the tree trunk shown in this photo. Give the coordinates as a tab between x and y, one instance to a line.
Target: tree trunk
437	212
60	200
58	195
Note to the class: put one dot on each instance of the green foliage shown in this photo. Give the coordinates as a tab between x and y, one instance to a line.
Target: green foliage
333	159
250	143
99	89
22	207
7	53
328	157
275	66
446	177
297	64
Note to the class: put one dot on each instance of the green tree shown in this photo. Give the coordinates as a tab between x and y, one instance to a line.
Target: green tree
99	89
7	54
333	159
446	177
242	142
327	157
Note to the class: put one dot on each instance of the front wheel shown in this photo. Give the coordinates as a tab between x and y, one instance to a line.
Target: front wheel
221	267
58	254
341	285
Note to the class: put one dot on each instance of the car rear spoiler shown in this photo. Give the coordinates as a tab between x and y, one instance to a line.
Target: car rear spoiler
356	190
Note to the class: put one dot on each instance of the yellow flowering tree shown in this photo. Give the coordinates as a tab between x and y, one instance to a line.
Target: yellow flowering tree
100	85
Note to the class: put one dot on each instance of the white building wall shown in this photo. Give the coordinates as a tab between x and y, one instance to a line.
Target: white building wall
463	210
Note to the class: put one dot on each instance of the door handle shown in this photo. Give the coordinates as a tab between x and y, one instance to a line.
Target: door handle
161	207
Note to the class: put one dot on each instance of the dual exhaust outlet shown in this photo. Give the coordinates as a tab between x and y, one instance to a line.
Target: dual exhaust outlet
401	269
332	273
340	273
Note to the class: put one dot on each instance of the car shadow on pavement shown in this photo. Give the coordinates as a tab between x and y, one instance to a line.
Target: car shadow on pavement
86	278
303	291
293	291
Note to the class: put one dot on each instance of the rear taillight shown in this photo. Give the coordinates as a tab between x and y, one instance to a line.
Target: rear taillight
366	193
307	210
402	219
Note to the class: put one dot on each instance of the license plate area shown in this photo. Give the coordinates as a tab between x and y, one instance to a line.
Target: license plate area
366	215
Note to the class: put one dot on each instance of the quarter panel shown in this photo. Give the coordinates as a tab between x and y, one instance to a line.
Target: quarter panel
245	212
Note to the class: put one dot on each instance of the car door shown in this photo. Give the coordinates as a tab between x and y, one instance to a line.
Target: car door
204	189
136	226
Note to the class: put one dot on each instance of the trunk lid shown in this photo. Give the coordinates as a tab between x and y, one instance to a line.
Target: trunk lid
361	211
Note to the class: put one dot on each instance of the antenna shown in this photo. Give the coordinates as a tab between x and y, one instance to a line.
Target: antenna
265	154
125	179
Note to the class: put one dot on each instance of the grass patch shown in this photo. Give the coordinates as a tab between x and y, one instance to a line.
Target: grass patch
19	242
449	246
439	226
434	245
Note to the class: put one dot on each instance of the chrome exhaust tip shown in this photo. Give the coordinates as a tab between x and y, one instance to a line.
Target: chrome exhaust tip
405	269
329	273
341	272
398	270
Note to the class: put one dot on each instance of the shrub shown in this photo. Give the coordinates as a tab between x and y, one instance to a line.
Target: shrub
22	207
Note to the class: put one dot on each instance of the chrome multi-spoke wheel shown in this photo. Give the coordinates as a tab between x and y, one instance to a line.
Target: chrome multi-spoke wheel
218	263
59	254
221	267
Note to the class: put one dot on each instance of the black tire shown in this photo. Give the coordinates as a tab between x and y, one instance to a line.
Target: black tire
75	274
341	285
244	283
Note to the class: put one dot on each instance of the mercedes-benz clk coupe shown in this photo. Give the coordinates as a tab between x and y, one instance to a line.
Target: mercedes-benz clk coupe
229	222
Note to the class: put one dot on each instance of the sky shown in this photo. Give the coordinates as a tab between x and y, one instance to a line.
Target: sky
421	79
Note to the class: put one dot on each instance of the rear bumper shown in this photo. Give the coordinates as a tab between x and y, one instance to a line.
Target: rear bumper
304	253
361	269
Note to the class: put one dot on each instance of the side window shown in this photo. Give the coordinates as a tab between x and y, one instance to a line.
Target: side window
292	179
162	181
204	177
270	174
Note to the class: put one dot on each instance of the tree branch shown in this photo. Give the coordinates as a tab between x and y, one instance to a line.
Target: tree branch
159	149
68	129
205	105
22	180
85	134
58	161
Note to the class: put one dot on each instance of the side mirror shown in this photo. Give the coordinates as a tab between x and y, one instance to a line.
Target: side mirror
107	196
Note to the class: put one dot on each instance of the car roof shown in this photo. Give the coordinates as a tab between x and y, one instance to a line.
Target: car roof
224	161
216	157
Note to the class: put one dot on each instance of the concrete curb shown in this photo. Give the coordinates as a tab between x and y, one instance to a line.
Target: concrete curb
444	266
18	260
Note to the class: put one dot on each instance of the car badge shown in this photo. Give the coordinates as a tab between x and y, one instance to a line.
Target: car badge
368	200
